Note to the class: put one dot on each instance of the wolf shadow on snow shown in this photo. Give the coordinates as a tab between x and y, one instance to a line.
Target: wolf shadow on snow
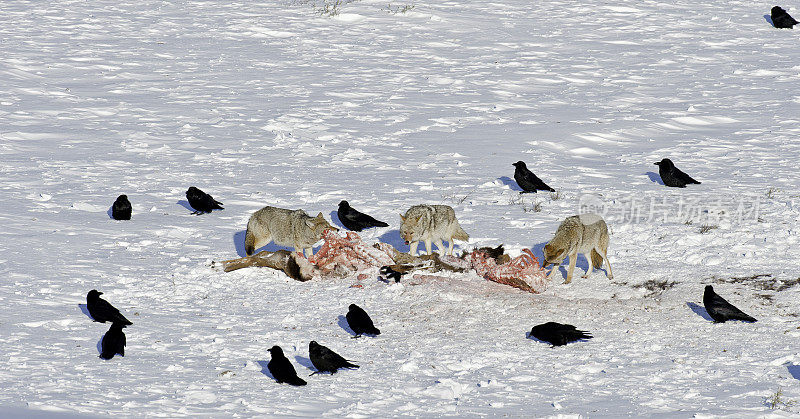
581	265
238	241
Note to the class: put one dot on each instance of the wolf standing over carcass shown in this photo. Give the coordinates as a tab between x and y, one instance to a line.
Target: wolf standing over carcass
286	228
431	223
585	233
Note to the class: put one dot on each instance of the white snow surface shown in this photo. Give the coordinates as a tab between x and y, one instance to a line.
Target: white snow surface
274	103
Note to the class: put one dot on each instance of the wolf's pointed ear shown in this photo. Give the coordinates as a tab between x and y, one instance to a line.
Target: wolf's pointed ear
320	216
402	218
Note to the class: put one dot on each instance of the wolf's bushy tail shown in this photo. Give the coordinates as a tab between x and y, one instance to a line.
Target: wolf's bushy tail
249	242
597	260
461	234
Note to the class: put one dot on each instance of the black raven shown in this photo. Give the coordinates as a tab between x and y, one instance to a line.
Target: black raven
113	342
355	220
121	210
781	19
325	360
527	180
283	370
672	176
102	311
359	321
201	201
558	334
720	310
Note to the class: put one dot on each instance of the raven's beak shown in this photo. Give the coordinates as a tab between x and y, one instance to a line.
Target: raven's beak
656	164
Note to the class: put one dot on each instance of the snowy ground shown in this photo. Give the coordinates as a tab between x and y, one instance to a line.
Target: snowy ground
273	103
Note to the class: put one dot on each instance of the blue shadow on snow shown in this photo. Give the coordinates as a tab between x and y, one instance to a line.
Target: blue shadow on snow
768	18
265	369
238	242
306	362
794	370
511	183
393	237
700	311
345	325
655	178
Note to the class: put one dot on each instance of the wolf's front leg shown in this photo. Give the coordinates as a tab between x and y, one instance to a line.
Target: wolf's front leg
310	252
428	245
572	259
413	248
553	271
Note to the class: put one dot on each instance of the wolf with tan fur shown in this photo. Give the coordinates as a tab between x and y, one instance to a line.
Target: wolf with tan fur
286	228
585	233
431	223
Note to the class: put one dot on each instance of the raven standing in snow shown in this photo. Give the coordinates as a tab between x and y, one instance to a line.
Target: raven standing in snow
113	342
102	311
325	360
781	19
558	334
721	310
672	176
355	220
283	370
121	210
360	322
201	201
527	180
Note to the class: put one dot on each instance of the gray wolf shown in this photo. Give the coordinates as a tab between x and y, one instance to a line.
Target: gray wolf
672	176
285	227
528	181
431	223
585	233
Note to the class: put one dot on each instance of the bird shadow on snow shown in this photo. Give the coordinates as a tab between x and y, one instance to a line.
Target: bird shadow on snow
393	237
345	325
306	362
655	178
110	212
794	370
265	369
336	221
511	183
528	335
768	18
700	311
238	242
184	203
85	311
100	347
